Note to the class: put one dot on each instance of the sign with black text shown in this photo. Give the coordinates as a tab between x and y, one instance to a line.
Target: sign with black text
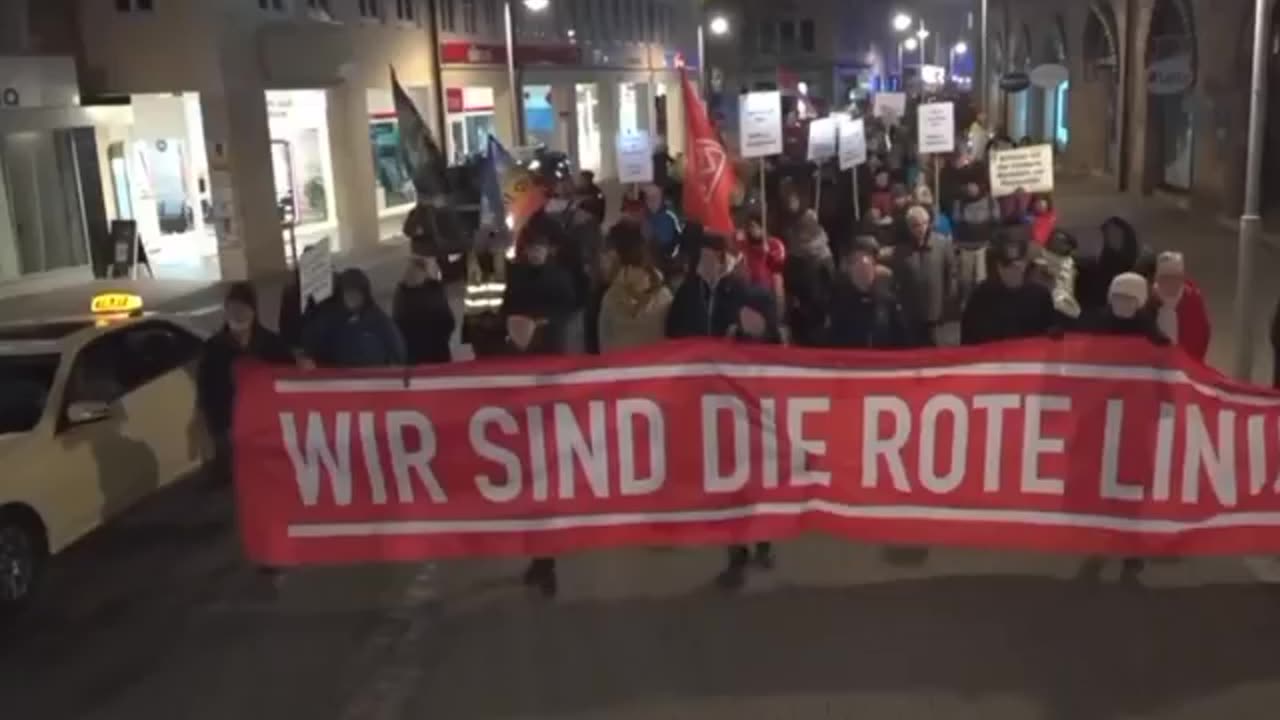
1029	169
760	124
635	157
936	124
853	142
822	139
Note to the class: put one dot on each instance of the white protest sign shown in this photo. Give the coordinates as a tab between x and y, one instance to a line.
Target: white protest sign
822	139
1027	168
853	142
635	157
315	273
936	127
760	124
890	106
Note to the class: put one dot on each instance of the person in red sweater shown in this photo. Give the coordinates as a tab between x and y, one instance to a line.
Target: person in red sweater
763	258
1044	219
1181	313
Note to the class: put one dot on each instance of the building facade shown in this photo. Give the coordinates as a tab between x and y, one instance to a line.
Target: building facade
237	132
1158	97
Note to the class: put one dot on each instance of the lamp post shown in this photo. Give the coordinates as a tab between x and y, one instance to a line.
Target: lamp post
517	96
923	35
981	71
1251	218
719	27
902	23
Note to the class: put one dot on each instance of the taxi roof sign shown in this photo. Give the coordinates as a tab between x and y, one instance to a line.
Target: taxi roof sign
115	304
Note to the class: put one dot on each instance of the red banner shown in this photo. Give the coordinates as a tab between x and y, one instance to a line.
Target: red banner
1078	445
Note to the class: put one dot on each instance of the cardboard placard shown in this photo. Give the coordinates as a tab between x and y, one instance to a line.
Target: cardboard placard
760	124
1027	168
890	106
635	157
853	142
315	272
822	139
936	127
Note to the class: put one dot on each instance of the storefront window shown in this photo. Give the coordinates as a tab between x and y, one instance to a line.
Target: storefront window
395	184
471	121
539	116
302	166
41	215
587	104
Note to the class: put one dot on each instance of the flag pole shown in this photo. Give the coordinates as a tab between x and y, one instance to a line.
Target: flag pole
857	202
817	198
764	201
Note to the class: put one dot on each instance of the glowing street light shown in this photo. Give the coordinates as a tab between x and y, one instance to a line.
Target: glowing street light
910	44
961	48
537	5
922	33
719	25
901	22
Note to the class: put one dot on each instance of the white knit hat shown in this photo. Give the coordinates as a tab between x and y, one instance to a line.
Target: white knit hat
1130	285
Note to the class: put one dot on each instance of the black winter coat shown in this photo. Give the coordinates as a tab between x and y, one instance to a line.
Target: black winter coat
699	310
425	321
858	319
215	374
541	292
996	312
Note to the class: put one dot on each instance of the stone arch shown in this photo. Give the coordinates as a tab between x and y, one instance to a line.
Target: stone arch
1171	62
1099	87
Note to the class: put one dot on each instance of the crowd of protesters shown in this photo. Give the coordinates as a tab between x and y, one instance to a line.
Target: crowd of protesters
902	266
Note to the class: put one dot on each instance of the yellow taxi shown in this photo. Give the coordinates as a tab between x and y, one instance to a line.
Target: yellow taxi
96	412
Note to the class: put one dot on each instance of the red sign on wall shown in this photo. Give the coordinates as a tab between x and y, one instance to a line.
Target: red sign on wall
467	53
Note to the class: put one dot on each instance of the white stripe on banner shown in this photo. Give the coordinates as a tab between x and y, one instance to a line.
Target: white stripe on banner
734	371
870	512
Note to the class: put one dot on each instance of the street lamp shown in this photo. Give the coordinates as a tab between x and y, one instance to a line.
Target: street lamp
901	22
922	35
910	44
719	26
957	50
517	97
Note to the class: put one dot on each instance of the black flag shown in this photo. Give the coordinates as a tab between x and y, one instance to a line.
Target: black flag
425	162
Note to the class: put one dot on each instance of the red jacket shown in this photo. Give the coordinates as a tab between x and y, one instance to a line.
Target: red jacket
1193	323
1042	227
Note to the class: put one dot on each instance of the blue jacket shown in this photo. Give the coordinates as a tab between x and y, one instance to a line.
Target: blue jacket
665	229
367	338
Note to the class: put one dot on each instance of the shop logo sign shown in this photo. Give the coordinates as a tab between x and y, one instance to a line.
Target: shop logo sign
9	97
711	162
1170	76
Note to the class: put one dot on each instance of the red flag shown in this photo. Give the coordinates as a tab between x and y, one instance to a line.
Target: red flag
708	174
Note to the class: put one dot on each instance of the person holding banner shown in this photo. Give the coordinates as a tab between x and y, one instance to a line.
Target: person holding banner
421	311
1007	306
354	332
634	310
707	303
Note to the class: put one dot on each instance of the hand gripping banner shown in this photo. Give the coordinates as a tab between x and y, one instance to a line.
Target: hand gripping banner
1076	445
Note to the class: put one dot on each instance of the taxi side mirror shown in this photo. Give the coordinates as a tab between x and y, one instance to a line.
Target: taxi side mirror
84	413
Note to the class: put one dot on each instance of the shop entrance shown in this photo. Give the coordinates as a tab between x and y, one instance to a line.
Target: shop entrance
1171	73
471	121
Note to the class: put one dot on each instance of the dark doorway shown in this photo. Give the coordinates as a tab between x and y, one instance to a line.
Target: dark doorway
1101	55
1171	76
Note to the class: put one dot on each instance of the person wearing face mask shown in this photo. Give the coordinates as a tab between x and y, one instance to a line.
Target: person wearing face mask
422	314
756	321
353	332
1180	309
242	337
706	303
1007	306
863	313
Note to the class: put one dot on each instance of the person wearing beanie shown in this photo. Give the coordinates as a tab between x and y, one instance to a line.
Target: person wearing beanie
242	337
1181	314
1006	306
863	312
1128	311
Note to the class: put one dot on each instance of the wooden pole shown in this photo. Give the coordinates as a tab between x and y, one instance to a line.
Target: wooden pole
857	202
764	201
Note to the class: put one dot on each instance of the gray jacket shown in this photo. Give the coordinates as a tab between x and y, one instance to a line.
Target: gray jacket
925	279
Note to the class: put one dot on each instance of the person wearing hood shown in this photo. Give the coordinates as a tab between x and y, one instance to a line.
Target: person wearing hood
756	322
924	275
242	337
807	276
422	314
1007	306
863	313
1128	311
1181	314
354	331
1121	253
706	303
634	310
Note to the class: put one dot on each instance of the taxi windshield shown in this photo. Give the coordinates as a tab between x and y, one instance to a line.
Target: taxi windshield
25	384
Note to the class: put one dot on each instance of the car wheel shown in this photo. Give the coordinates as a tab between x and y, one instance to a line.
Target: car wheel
20	559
